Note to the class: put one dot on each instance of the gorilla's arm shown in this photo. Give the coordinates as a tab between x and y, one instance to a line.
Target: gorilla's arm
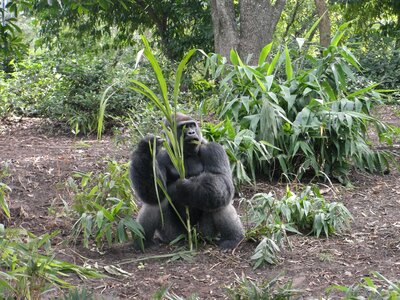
210	190
141	171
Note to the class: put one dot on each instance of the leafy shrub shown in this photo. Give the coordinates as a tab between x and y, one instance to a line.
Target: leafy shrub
307	212
370	289
380	60
105	205
268	290
69	89
28	267
241	146
32	81
304	107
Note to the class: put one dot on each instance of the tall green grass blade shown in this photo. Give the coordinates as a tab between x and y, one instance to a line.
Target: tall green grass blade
288	65
179	72
309	32
159	74
102	111
362	91
271	67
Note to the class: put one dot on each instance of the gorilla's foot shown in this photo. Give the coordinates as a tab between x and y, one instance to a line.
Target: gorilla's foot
229	244
141	245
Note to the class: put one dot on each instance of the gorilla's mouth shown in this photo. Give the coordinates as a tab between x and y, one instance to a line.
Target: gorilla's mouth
192	140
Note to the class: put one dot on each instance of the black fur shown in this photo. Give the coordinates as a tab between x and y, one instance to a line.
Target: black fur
207	188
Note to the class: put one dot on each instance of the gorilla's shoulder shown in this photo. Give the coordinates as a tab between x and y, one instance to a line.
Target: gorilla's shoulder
212	148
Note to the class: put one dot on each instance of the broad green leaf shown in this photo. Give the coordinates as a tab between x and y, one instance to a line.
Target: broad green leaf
362	91
159	74
179	72
234	57
288	65
274	61
309	32
264	53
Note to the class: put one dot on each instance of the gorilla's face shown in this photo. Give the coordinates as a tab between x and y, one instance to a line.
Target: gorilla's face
191	136
191	132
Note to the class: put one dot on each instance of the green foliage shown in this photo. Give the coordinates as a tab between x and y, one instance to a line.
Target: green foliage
32	82
305	107
70	89
105	205
307	212
12	45
4	190
78	294
380	58
83	80
241	146
370	15
176	25
28	267
375	287
165	294
272	289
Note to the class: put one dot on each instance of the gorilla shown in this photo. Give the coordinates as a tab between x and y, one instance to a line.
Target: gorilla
207	189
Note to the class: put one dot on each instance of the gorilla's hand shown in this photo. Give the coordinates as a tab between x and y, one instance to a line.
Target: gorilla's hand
206	191
146	144
142	171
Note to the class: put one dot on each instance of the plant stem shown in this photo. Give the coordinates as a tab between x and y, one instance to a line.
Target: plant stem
189	229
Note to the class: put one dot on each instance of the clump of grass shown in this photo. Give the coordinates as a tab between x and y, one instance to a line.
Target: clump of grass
272	289
105	205
28	267
375	287
307	213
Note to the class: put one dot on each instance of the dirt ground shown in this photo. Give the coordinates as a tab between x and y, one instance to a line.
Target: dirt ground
40	161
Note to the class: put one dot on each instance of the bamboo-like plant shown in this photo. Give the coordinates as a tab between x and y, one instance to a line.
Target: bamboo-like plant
307	105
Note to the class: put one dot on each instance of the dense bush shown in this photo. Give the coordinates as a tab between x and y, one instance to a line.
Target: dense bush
380	61
304	106
69	89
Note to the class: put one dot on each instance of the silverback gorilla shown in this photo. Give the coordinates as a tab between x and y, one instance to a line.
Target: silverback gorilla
207	188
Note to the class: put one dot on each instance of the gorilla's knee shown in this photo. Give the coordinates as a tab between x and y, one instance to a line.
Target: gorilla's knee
230	227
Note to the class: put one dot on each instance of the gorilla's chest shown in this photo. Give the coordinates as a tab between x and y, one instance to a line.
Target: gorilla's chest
193	167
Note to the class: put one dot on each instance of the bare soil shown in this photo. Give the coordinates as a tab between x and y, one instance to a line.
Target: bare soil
39	162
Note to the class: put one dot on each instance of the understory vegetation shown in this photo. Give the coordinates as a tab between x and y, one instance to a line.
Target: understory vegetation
303	113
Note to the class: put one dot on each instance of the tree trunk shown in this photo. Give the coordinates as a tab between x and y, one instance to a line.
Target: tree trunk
258	19
226	36
325	23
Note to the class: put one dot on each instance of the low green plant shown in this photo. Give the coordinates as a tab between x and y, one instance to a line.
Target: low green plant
304	102
271	289
78	294
245	152
307	212
28	267
165	294
105	205
4	189
374	287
